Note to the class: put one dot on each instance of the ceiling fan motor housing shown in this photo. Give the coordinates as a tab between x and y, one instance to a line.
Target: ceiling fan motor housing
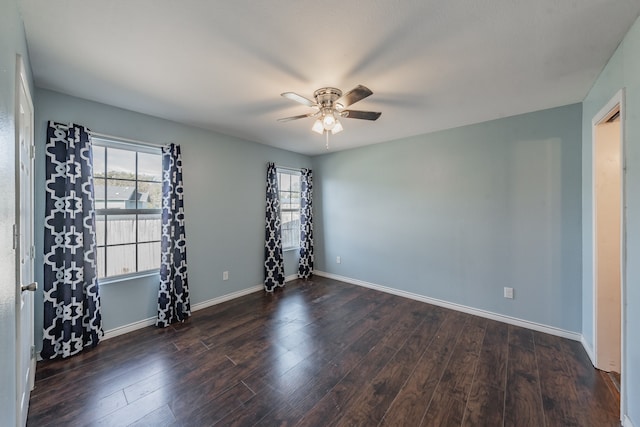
327	96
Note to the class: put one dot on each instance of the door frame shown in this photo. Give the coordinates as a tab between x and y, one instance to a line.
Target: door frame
22	83
616	102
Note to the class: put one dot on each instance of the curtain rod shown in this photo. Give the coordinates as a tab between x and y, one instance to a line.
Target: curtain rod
121	139
289	169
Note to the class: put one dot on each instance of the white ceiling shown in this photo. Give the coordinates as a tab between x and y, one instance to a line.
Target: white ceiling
221	65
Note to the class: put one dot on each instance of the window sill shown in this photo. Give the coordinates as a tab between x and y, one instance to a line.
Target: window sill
127	277
295	248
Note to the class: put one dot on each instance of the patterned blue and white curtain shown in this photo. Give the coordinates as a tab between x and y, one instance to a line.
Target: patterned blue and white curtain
173	296
72	319
305	265
273	261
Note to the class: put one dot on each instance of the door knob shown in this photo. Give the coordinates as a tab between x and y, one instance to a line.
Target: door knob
30	287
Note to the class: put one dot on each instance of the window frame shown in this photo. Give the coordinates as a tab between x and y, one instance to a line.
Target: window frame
107	212
297	174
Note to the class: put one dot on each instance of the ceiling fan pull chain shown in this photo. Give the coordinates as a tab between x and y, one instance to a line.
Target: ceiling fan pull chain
326	133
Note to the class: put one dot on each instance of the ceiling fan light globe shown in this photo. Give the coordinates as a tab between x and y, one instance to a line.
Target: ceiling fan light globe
329	121
318	127
337	128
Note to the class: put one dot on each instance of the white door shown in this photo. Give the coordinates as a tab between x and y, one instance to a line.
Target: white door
24	246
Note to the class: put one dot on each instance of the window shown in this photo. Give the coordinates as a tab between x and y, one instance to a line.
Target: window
289	188
128	197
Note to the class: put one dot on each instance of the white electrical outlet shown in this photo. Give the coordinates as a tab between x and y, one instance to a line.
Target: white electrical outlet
225	275
508	293
338	260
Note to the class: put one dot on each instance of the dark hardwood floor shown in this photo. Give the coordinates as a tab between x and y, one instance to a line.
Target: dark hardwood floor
323	353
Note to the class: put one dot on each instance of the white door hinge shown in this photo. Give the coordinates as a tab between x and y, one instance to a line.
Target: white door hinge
33	351
32	252
32	151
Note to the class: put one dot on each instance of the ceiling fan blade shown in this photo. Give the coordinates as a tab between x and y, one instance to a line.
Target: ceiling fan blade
358	114
354	95
301	116
299	98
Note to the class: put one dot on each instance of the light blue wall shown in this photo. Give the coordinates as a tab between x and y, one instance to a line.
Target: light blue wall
458	215
622	71
224	203
12	43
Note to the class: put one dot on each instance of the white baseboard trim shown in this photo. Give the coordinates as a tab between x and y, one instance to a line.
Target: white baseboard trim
290	278
194	307
589	350
552	330
626	422
227	297
124	329
234	295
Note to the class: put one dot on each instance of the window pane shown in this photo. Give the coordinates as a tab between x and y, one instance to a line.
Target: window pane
98	161
100	262
295	201
295	220
149	227
121	163
121	260
290	209
290	200
99	195
149	167
121	229
127	243
286	219
285	182
287	238
100	219
295	183
148	256
291	230
121	194
149	195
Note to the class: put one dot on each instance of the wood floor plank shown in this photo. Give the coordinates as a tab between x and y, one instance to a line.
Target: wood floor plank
308	393
209	408
205	393
100	372
559	396
130	413
321	352
450	398
339	400
492	366
253	410
412	401
161	417
377	396
177	372
523	400
111	351
101	383
598	407
402	322
485	405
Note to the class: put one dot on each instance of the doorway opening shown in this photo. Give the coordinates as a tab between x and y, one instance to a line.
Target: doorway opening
609	240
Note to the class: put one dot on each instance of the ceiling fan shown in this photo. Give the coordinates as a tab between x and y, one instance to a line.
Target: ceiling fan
330	106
